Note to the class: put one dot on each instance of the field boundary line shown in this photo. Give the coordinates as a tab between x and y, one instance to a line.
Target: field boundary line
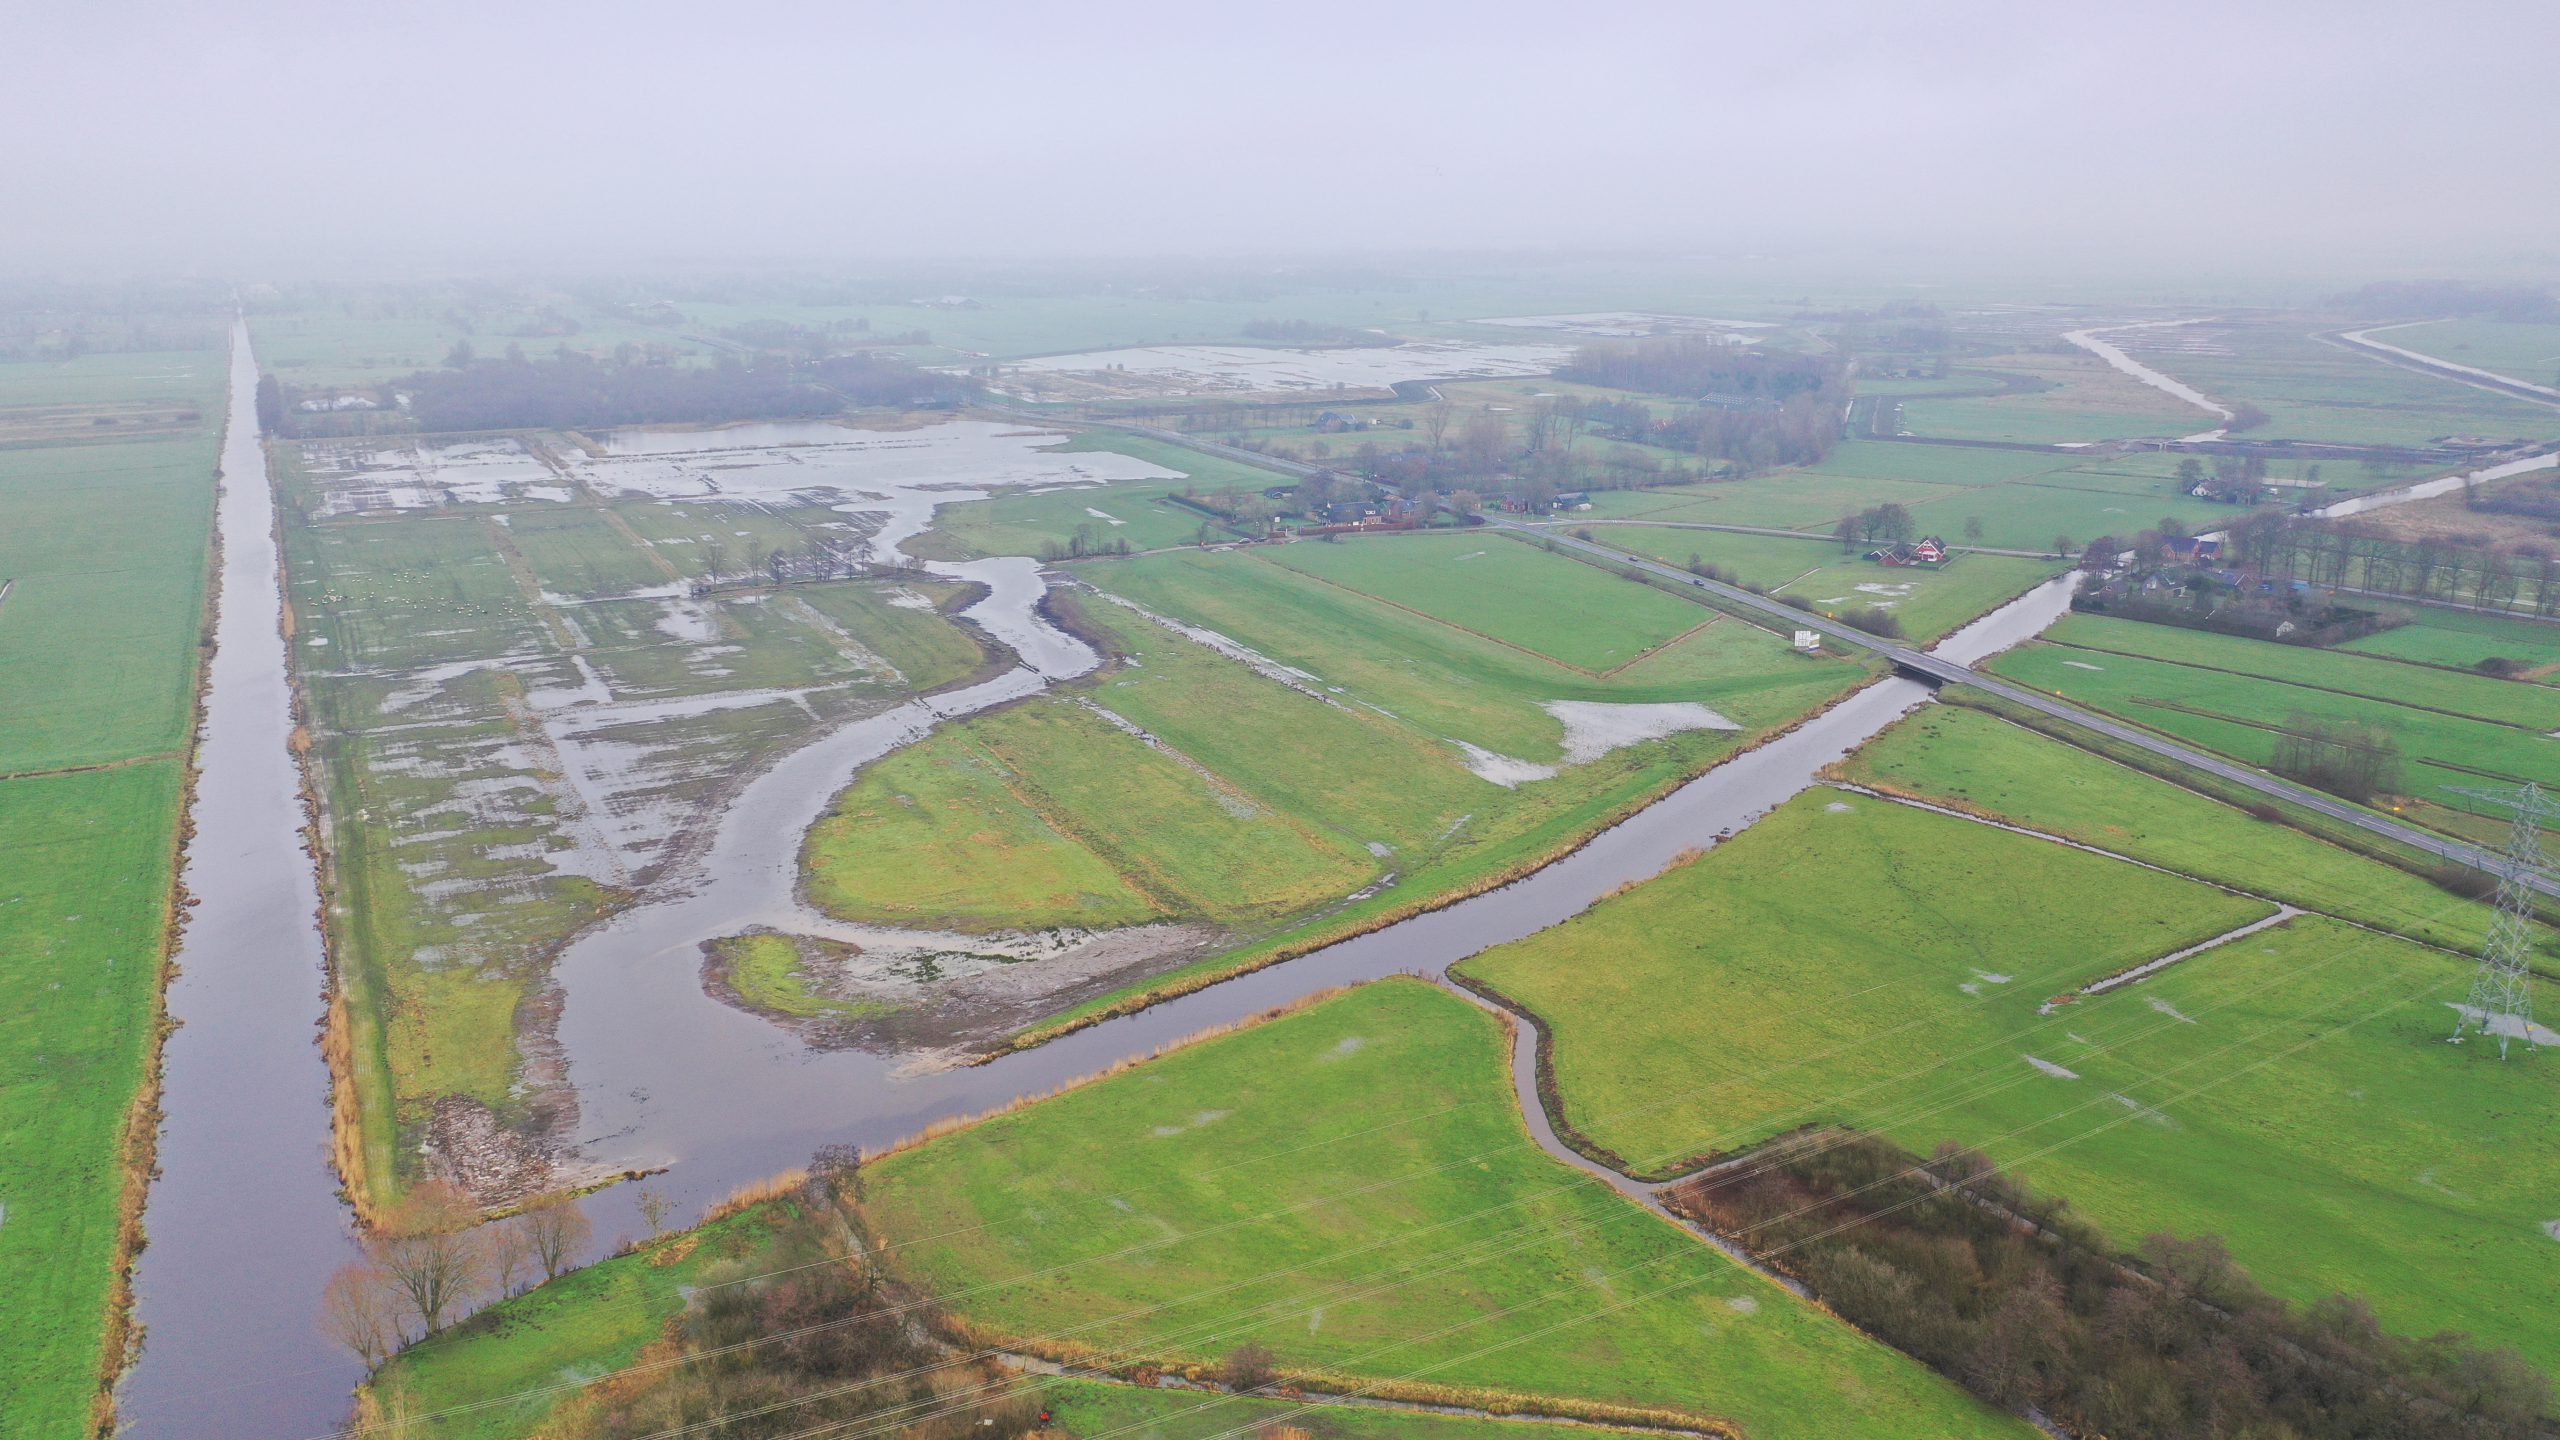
95	766
613	520
1436	620
2317	689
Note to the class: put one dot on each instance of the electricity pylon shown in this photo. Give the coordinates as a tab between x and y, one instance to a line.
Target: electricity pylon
2502	993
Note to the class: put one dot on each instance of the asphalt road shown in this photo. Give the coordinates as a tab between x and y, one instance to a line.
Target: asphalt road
1923	664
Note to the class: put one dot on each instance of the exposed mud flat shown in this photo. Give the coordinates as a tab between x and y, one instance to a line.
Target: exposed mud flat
937	999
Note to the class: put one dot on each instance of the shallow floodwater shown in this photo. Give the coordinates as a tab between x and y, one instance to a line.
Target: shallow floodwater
667	1076
1218	369
2088	340
244	1220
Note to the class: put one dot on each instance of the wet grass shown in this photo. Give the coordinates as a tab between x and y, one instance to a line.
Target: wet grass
1803	971
1453	681
84	906
503	758
1035	523
2461	639
2525	351
2478	697
2292	1093
2074	396
418	590
2240	707
511	1359
1971	760
1808	500
1046	813
105	547
770	972
578	550
1405	1230
1096	1408
1508	592
1053	813
2311	390
1929	603
934	836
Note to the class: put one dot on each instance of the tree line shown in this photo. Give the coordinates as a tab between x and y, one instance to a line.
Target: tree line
2026	1305
795	1328
570	389
432	1260
2351	553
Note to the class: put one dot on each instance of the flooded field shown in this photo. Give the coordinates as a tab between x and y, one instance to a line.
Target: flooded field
1632	324
1177	370
540	671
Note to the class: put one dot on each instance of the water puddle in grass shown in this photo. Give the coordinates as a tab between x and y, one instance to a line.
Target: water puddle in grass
666	1075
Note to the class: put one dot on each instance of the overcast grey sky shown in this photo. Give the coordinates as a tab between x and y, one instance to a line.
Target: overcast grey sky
286	133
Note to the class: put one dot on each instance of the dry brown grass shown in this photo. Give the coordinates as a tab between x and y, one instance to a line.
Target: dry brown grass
756	1192
1485	1400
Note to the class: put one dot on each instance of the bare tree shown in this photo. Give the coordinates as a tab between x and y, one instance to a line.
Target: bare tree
558	1232
1435	421
511	1256
654	1205
431	1251
360	1309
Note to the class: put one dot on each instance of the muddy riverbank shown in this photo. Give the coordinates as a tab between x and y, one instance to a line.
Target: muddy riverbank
665	1075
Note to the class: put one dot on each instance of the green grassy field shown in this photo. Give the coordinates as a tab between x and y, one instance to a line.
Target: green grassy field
508	1362
1478	686
2289	1091
104	548
2316	391
2255	688
1048	814
2437	636
2527	352
770	974
2478	697
1807	500
1571	614
2071	396
104	539
1929	602
1405	1229
84	902
1054	812
1739	996
1971	760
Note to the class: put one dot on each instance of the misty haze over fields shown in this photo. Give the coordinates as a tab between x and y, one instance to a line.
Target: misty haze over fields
2285	137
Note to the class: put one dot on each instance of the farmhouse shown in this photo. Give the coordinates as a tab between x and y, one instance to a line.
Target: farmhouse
2191	549
1927	550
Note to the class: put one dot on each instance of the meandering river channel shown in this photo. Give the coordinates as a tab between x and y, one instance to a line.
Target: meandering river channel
245	1220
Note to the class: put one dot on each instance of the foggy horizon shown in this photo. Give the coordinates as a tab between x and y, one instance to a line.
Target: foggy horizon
2286	141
